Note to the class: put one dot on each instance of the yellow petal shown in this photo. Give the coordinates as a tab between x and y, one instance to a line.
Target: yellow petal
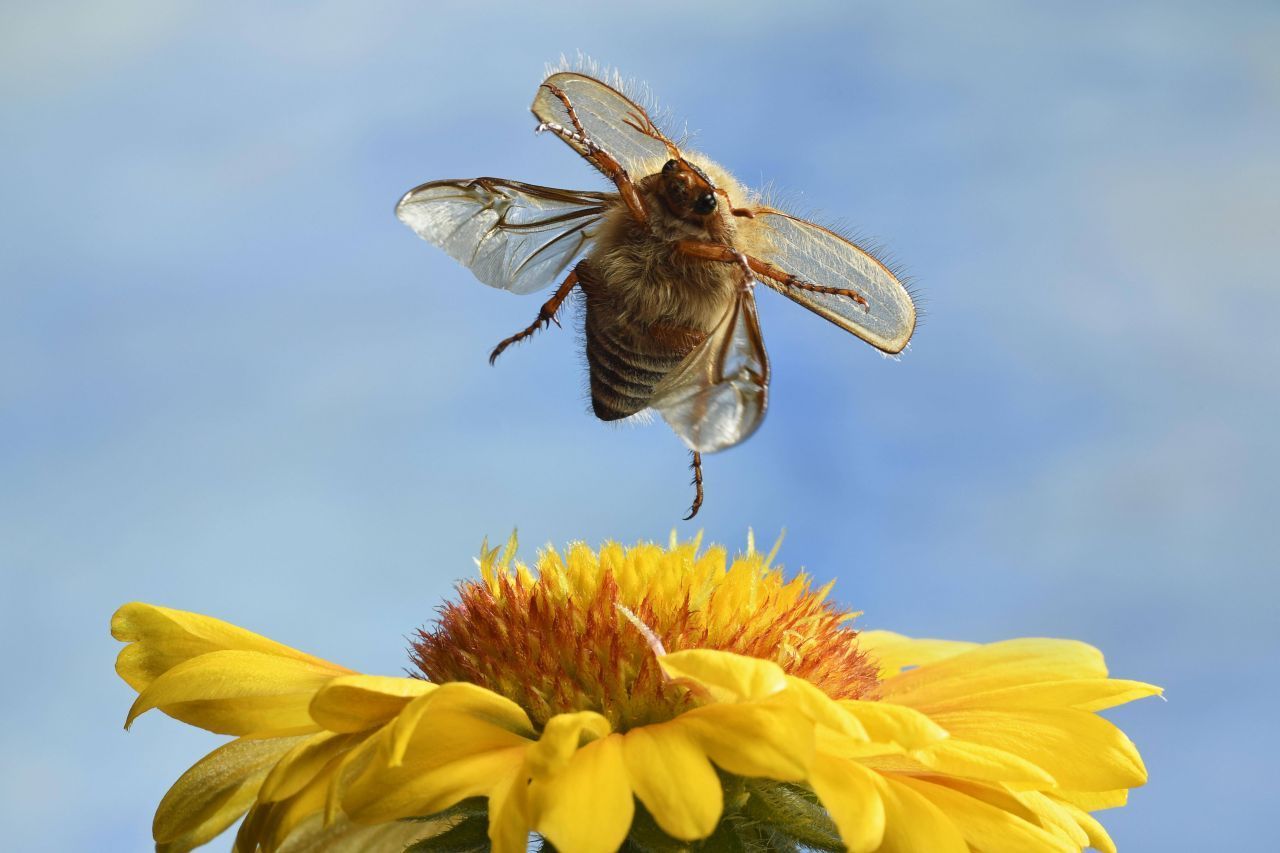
369	750
955	757
1006	664
1053	816
261	828
912	824
888	723
672	776
894	652
353	703
454	756
269	824
851	795
1030	806
1084	694
456	699
587	806
1079	749
1098	837
985	827
236	692
303	763
1116	692
161	638
401	792
822	709
754	739
509	820
741	676
1092	801
841	746
216	791
561	737
901	763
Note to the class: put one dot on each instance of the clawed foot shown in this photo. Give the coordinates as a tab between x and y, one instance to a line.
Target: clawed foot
542	322
696	465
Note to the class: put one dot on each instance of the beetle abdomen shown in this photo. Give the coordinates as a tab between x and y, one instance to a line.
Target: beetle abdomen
627	360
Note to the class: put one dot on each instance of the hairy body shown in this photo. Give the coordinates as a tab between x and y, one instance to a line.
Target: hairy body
649	304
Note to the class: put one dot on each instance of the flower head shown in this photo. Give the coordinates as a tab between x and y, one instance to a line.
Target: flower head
581	634
638	696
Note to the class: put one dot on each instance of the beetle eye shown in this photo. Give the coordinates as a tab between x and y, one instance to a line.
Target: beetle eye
671	164
705	203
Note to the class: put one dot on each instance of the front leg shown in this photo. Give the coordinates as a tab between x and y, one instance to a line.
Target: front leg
718	252
736	211
546	315
755	266
597	156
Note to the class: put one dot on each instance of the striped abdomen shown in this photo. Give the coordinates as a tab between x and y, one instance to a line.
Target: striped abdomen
627	360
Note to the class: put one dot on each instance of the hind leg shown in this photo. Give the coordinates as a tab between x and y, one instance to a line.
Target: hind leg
546	315
696	464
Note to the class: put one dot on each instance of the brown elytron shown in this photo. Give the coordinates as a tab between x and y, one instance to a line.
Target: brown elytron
665	265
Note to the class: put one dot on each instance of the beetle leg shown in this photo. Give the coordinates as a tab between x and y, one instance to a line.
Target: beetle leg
736	211
718	252
546	315
597	156
696	464
757	267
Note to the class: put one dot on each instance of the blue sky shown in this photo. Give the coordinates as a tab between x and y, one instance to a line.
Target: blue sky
231	382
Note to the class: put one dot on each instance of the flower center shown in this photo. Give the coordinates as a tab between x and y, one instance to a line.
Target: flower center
560	641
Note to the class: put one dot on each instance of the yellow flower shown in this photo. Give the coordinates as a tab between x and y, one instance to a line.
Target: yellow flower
642	697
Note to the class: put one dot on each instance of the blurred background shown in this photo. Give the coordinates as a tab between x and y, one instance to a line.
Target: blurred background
232	382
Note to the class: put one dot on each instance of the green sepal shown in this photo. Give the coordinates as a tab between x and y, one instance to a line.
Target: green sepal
469	832
646	836
794	812
470	807
468	835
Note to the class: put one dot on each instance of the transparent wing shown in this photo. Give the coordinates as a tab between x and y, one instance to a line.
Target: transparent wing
513	236
820	256
610	119
717	396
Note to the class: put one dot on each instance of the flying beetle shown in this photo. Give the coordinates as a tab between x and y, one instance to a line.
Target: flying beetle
665	265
